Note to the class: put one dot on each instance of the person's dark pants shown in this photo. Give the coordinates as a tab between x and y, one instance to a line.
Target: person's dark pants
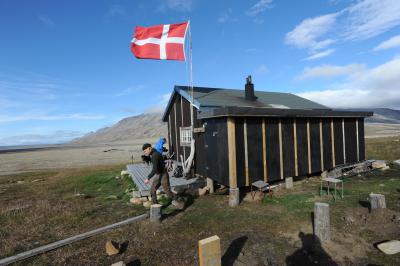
160	180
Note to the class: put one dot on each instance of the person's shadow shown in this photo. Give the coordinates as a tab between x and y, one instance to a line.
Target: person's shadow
310	253
233	251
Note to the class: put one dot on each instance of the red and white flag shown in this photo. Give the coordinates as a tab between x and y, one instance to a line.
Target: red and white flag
160	42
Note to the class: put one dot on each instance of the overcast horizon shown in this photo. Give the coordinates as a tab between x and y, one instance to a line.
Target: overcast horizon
67	69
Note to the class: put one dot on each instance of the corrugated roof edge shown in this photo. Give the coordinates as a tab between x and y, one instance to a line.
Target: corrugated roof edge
276	112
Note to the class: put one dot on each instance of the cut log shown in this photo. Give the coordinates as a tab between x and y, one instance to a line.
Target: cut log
377	201
155	213
322	227
210	251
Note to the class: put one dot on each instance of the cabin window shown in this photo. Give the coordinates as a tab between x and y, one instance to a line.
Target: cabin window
186	136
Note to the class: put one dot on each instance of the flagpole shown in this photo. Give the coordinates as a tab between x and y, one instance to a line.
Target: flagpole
191	76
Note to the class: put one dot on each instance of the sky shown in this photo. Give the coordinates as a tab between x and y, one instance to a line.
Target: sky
66	68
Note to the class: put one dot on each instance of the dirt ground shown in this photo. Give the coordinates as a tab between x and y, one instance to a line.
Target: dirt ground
276	231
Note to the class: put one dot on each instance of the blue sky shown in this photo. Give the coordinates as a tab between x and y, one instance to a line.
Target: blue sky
66	66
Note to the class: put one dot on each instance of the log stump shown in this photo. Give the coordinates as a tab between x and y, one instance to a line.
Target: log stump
377	201
322	227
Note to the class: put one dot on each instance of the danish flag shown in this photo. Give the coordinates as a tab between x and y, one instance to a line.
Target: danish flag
162	42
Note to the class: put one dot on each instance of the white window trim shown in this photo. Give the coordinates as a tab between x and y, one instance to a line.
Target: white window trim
186	135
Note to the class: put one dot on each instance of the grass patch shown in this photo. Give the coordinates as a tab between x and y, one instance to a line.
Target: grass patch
383	148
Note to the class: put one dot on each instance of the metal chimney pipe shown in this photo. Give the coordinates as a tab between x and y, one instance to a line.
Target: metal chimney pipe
249	90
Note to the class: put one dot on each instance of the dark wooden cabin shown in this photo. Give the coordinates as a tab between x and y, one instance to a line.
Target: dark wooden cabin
242	136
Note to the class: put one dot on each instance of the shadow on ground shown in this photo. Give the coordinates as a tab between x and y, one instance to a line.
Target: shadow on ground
310	253
233	251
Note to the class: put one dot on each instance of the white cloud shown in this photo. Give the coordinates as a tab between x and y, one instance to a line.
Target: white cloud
369	18
327	71
375	87
47	21
180	5
262	70
361	20
45	117
309	33
160	107
226	16
320	54
129	90
391	43
115	11
259	7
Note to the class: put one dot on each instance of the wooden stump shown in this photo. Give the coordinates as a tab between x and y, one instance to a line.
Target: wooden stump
210	185
377	201
234	197
322	227
210	251
155	213
289	182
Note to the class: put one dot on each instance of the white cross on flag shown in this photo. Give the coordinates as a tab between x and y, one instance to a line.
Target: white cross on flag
160	42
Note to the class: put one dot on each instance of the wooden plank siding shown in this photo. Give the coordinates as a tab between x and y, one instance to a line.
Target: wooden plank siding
302	147
272	152
255	149
240	152
338	133
361	139
327	143
350	139
288	147
315	145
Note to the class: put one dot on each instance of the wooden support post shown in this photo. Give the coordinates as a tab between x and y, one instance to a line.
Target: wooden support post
280	149
234	197
232	152
155	213
246	154
183	148
296	163
321	145
322	227
377	201
210	251
308	146
333	143
210	185
264	150
176	136
289	182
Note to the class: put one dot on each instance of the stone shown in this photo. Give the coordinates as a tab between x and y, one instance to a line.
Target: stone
112	248
119	263
397	162
289	182
147	204
378	164
203	191
136	194
210	251
143	199
324	174
135	201
390	247
210	185
117	177
158	192
20	182
384	168
377	201
179	205
124	172
155	213
234	197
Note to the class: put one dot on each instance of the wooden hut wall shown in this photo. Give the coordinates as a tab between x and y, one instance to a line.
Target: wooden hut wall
186	122
216	140
361	140
302	146
272	149
173	148
315	145
200	153
338	138
350	140
255	149
241	153
327	143
288	147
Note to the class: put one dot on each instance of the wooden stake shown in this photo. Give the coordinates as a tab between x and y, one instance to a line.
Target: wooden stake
210	251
